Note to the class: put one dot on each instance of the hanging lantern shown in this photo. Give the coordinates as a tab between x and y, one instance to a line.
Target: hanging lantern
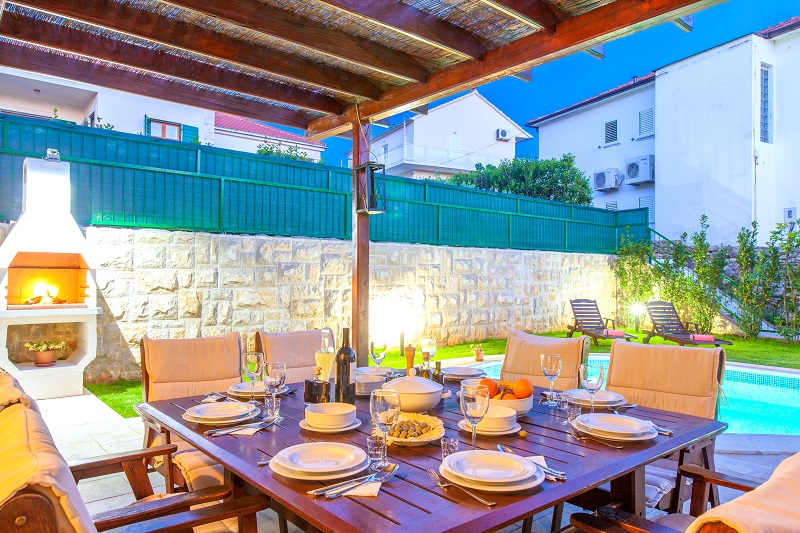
372	190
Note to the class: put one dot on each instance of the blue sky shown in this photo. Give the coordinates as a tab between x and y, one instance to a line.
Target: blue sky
571	79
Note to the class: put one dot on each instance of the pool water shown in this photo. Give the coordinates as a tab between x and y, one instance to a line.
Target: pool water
753	401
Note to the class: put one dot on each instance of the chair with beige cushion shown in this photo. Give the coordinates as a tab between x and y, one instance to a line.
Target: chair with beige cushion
681	379
296	349
772	507
523	359
175	368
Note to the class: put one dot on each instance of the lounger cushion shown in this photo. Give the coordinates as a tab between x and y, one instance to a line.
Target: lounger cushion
523	358
11	393
296	349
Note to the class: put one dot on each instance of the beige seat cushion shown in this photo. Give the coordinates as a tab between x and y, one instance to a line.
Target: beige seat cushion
681	379
30	460
523	358
297	349
11	393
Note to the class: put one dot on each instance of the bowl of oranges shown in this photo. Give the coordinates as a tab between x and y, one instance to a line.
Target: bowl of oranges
517	395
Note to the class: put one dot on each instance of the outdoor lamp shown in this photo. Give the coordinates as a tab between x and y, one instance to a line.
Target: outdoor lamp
637	310
372	190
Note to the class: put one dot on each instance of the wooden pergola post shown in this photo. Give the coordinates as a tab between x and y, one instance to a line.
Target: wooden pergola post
360	296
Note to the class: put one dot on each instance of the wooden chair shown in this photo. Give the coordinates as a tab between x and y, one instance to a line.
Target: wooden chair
589	321
771	506
668	325
297	349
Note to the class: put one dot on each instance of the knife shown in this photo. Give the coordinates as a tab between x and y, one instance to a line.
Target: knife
322	490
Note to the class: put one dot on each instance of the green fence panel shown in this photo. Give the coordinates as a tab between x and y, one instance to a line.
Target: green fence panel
464	197
534	233
632	217
398	188
414	222
543	208
468	227
593	215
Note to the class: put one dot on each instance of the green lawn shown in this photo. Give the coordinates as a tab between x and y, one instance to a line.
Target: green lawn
121	395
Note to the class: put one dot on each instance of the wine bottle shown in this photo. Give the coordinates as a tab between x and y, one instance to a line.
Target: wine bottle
438	377
325	356
345	379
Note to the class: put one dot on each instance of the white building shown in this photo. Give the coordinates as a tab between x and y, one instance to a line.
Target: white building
722	127
37	95
452	137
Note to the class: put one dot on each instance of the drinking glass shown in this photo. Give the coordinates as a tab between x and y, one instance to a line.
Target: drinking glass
551	367
573	412
252	366
384	407
428	345
376	447
274	378
474	404
449	446
377	351
592	379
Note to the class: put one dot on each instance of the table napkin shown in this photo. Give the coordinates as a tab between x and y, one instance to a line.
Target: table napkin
367	489
539	460
246	432
212	399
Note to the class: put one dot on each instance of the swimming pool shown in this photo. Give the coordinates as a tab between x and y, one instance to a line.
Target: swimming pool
755	400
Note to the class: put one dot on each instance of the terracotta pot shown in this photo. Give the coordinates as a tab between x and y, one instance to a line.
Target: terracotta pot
479	355
47	358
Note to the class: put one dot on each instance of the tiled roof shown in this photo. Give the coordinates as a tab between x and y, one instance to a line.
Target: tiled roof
780	28
635	82
246	125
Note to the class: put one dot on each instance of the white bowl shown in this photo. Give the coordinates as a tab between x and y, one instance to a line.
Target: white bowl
520	406
372	370
417	395
471	382
366	383
498	418
331	415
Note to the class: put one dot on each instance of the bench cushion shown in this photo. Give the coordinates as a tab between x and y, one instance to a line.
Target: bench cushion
11	393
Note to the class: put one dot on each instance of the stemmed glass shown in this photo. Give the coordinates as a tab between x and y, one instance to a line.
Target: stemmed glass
551	368
377	351
592	380
384	406
428	345
274	378
252	365
474	404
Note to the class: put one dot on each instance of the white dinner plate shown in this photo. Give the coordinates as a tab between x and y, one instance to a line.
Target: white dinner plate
242	390
321	457
307	427
231	422
619	438
488	466
372	370
463	424
462	372
533	481
621	425
601	397
221	411
292	474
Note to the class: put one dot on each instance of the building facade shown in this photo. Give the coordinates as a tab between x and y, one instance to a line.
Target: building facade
718	131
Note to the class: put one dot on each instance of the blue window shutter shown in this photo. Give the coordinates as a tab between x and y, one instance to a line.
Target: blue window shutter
189	133
146	125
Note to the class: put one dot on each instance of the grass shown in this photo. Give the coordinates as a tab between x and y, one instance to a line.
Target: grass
122	395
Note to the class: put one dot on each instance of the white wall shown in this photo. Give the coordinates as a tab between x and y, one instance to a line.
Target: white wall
704	142
248	142
582	133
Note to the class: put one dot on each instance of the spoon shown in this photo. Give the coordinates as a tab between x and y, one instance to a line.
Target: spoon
555	473
384	475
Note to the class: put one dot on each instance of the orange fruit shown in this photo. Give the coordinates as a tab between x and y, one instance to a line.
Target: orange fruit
509	396
523	433
491	385
523	388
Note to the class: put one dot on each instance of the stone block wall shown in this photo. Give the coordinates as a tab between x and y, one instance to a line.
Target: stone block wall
173	284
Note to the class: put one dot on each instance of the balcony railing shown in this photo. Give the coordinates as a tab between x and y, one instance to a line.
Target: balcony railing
416	154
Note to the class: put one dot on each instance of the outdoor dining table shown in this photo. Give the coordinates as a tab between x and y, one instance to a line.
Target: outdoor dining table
411	501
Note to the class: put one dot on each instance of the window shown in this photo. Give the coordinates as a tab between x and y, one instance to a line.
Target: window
611	132
611	206
790	215
170	130
766	103
646	124
647	202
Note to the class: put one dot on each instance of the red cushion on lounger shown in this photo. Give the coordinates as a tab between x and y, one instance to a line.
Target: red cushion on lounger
701	338
613	333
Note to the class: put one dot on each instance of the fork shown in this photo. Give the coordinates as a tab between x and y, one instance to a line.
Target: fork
579	437
436	478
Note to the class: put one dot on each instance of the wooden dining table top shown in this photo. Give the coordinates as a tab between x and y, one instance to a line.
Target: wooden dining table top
410	501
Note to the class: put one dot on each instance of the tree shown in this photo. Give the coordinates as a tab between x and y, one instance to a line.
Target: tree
550	179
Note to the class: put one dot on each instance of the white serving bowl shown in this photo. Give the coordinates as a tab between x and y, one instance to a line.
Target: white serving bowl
520	406
498	418
417	395
332	415
366	383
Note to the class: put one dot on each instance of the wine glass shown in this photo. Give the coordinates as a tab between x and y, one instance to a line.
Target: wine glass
384	406
428	345
592	379
252	365
274	378
474	404
551	368
377	351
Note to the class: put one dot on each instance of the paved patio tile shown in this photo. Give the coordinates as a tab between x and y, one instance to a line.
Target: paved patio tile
112	431
75	411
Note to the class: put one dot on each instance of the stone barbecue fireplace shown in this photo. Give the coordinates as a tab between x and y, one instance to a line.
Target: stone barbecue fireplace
48	277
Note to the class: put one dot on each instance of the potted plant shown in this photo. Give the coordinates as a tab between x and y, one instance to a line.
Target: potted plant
477	351
44	351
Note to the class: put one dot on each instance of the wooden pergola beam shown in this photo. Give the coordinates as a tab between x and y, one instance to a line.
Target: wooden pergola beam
292	28
99	73
175	33
33	30
535	13
416	24
602	24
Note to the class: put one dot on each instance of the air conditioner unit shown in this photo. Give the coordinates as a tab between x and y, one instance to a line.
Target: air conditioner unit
640	170
503	135
606	180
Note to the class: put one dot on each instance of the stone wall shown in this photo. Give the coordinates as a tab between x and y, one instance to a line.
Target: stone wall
172	284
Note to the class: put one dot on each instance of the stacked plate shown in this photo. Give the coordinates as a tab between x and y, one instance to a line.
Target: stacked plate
221	414
491	471
602	398
242	390
457	373
615	427
320	461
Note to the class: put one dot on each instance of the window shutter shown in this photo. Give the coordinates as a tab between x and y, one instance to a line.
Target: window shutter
147	125
611	132
611	206
189	133
647	201
646	125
